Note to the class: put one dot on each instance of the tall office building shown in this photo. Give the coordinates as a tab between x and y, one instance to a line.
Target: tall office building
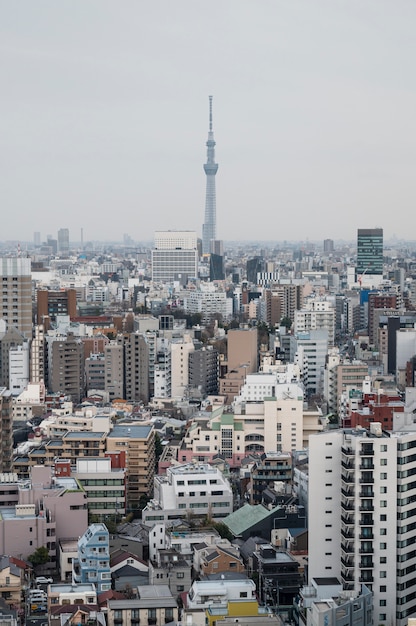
362	490
16	294
209	228
370	255
63	240
175	256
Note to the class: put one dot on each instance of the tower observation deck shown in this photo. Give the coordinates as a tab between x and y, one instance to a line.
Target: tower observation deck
209	229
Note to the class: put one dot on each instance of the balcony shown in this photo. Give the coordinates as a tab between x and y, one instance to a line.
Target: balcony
347	506
348	464
368	506
348	493
347	576
348	520
367	450
347	451
366	550
348	547
347	562
366	493
364	534
366	577
347	533
365	465
367	480
366	564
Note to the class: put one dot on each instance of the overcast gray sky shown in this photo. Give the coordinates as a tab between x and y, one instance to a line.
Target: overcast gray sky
104	117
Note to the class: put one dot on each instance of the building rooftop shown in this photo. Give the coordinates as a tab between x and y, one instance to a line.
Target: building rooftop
132	431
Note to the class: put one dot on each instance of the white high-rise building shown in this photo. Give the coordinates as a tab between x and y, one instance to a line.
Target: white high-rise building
175	256
18	368
316	315
362	491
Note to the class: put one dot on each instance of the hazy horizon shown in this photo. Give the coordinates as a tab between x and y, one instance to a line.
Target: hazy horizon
104	118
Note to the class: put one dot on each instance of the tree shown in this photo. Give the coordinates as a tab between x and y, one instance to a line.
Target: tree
223	530
286	322
39	557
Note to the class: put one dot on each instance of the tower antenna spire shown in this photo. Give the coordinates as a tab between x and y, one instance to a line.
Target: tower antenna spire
209	228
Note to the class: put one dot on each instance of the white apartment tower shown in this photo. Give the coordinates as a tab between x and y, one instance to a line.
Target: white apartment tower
362	491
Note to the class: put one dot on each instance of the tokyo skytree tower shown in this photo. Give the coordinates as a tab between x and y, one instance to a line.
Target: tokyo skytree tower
209	229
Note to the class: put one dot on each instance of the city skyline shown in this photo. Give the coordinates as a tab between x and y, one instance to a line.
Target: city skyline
104	113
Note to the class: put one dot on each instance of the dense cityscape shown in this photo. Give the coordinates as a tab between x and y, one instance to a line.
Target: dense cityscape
205	432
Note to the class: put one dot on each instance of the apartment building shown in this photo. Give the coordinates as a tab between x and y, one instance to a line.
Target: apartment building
153	605
316	315
193	489
6	430
16	294
93	562
361	489
138	443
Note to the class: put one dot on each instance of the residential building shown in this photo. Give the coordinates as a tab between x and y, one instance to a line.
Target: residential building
153	605
37	355
18	368
6	430
66	366
114	370
242	349
52	303
317	314
360	488
171	568
324	601
136	368
93	562
279	576
193	489
16	294
104	486
10	339
138	442
204	370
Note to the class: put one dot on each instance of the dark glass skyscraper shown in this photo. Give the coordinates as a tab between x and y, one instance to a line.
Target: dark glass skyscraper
209	229
370	251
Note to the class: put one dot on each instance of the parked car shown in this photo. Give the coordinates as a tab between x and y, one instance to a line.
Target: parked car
43	580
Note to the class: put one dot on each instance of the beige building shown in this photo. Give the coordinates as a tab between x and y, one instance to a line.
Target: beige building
136	364
16	294
114	370
277	423
138	442
242	349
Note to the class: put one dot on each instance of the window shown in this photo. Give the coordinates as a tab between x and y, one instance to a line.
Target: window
243	594
383	461
383	588
383	476
383	503
383	517
383	546
383	448
383	574
383	559
383	489
382	617
383	531
180	575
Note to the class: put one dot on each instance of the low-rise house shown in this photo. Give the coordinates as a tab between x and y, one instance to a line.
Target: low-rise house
153	605
62	594
11	582
221	557
127	570
171	568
